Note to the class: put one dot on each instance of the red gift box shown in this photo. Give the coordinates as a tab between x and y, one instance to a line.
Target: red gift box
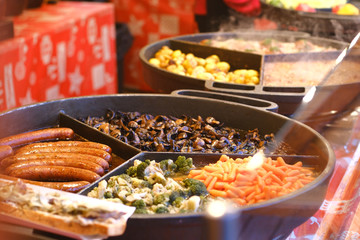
61	50
150	21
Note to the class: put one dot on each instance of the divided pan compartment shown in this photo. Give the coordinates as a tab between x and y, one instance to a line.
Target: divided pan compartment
276	217
254	35
165	81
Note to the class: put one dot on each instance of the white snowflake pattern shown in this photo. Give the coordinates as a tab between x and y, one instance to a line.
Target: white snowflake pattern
76	80
27	99
135	26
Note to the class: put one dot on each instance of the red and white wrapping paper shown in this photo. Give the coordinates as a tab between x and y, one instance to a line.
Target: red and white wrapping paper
150	21
59	50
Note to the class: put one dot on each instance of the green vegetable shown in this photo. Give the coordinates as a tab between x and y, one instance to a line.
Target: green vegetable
159	199
139	204
195	186
176	194
178	201
141	211
126	177
267	42
145	184
108	195
140	170
168	167
162	209
276	3
131	171
184	165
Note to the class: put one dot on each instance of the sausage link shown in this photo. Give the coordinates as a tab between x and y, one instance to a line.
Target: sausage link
54	173
37	156
37	135
5	151
83	164
95	152
83	144
74	186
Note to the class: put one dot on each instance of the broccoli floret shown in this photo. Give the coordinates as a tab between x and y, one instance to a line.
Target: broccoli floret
168	167
195	186
126	177
140	169
178	201
176	194
141	211
158	199
139	204
131	171
184	165
145	184
162	209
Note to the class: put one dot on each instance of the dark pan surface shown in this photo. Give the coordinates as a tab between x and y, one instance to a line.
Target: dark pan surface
287	97
283	214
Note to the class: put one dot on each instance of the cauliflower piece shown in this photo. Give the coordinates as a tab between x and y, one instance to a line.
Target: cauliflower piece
99	191
153	168
159	189
172	185
156	177
192	204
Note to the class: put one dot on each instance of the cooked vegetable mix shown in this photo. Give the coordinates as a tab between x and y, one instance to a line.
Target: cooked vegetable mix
178	186
151	188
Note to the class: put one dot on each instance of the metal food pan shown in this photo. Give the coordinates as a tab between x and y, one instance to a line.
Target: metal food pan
282	214
287	97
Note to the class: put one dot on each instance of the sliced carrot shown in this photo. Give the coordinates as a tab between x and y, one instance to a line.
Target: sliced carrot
240	201
208	180
211	169
195	172
218	193
229	178
281	161
212	183
199	177
224	158
275	170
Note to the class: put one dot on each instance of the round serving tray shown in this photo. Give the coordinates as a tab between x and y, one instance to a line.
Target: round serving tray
276	218
288	98
321	23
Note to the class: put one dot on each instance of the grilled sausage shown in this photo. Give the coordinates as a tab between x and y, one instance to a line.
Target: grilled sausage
5	151
54	173
37	156
38	135
74	186
95	152
82	144
83	164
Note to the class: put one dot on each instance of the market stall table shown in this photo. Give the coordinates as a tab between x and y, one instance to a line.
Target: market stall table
59	50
